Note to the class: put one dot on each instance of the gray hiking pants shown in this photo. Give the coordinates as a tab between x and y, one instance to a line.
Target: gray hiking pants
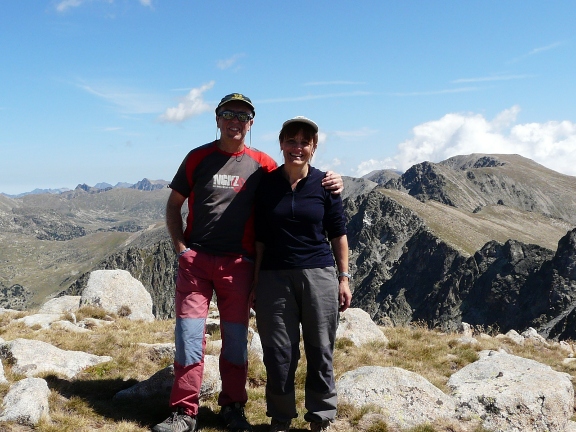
284	300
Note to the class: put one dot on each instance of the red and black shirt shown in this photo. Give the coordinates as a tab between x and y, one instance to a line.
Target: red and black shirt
220	188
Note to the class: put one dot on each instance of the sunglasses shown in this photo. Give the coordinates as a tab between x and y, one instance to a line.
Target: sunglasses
241	116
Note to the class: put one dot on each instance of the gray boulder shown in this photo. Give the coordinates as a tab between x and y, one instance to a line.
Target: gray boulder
356	325
26	402
160	384
513	394
31	358
60	305
39	320
116	291
406	398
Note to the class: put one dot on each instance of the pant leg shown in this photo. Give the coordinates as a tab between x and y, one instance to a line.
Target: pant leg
278	320
232	283
193	293
319	323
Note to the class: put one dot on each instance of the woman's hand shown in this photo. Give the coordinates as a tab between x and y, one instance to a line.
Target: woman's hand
344	295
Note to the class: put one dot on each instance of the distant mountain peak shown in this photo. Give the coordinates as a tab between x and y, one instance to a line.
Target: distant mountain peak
149	185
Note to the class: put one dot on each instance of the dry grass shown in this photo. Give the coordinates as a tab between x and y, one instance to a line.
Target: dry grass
85	403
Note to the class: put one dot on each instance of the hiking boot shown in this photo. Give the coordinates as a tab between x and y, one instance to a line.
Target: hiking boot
234	418
177	422
320	426
279	426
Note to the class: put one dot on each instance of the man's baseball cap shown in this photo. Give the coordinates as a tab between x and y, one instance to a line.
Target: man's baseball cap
236	97
301	119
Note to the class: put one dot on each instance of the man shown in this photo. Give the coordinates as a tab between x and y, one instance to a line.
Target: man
215	254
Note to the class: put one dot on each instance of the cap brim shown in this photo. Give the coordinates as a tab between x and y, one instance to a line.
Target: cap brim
301	120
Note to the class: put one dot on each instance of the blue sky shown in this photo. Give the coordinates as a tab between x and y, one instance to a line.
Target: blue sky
120	90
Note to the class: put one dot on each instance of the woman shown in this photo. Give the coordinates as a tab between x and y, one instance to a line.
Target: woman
296	284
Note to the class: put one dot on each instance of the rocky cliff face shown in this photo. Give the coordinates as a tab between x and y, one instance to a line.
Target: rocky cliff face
403	273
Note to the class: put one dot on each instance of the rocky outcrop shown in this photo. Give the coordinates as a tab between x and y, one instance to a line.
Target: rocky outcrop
14	297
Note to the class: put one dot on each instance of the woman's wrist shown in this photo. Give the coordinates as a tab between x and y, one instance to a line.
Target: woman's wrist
344	274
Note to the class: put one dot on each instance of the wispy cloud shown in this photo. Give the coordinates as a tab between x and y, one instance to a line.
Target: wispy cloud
491	78
537	51
438	92
64	5
324	83
315	97
546	48
192	104
128	101
228	63
359	133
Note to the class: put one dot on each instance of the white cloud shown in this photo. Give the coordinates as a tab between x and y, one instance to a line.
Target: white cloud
192	104
552	144
374	164
505	118
228	63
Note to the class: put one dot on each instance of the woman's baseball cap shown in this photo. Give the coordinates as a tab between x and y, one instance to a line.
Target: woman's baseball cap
301	119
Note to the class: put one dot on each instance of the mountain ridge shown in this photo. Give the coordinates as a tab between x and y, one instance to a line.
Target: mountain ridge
144	184
433	225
